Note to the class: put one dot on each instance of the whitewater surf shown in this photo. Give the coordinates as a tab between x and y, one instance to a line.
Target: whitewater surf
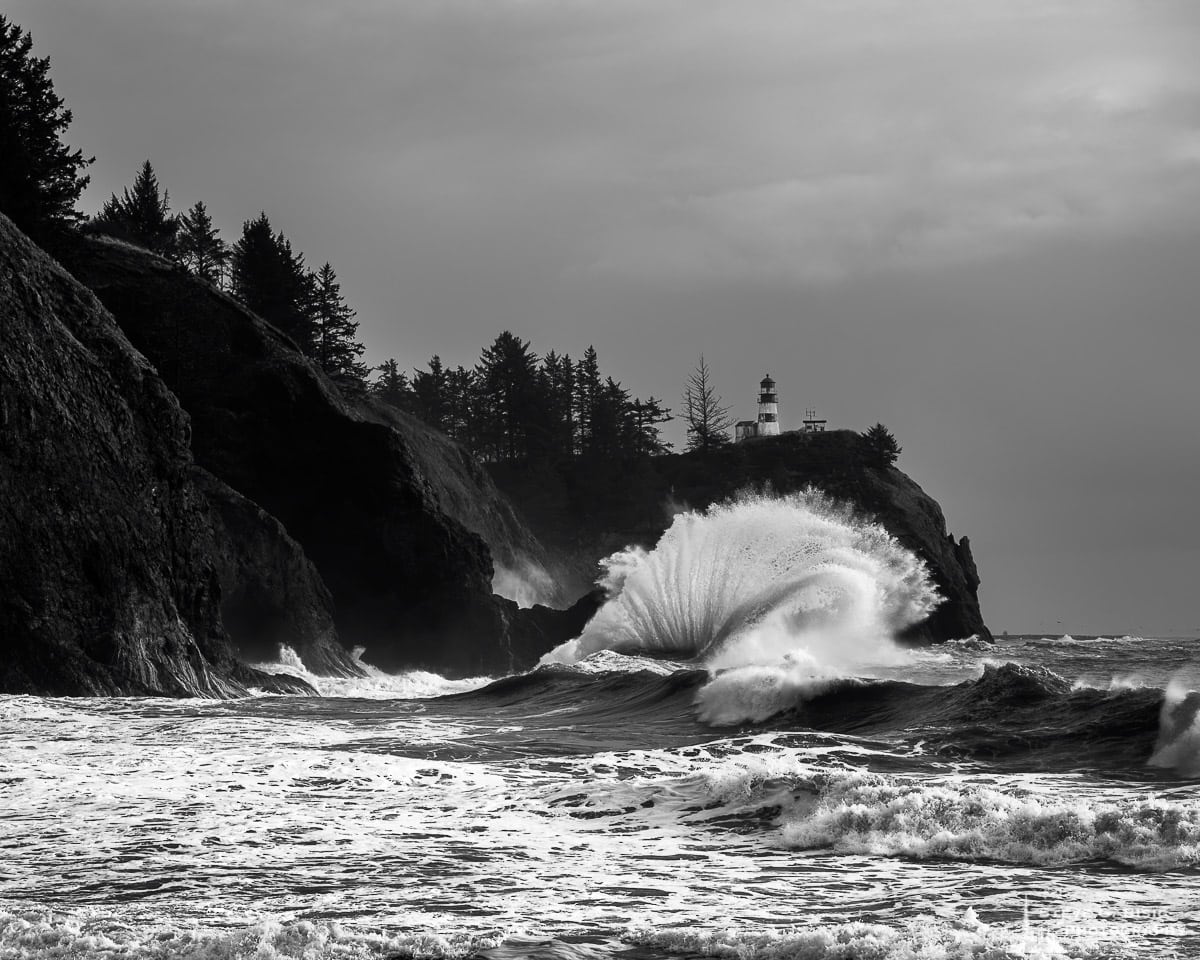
736	759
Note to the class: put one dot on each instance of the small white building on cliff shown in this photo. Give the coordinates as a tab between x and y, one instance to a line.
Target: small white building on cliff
767	424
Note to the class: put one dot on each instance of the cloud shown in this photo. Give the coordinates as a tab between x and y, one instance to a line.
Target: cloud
946	137
806	139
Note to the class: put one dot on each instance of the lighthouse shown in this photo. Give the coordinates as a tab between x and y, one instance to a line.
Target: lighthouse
768	408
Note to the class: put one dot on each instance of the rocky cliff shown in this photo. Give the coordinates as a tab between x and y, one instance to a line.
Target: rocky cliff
157	523
463	489
105	541
271	594
583	511
392	515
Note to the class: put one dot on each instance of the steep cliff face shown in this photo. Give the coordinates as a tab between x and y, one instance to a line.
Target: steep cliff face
464	490
271	594
585	511
392	516
915	519
108	582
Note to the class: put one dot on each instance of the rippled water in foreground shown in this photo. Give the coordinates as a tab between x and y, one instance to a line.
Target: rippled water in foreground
937	811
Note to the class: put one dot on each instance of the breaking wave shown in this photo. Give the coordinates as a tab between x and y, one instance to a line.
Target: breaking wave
928	938
376	684
1178	746
1009	714
865	813
757	580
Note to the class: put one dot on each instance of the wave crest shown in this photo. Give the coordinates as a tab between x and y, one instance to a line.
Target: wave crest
375	684
927	938
873	814
761	579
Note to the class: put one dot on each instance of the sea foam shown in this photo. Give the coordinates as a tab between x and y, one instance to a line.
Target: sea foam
29	934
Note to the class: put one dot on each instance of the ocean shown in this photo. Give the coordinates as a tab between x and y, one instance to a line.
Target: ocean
845	798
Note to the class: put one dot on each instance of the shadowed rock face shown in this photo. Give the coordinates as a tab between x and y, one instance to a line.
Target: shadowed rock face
271	594
386	510
537	630
104	540
465	491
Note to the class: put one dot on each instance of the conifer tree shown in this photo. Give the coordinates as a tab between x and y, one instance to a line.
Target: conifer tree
461	406
271	280
337	350
558	389
514	407
507	383
707	418
647	438
141	215
392	385
587	395
40	177
611	422
200	248
429	393
882	448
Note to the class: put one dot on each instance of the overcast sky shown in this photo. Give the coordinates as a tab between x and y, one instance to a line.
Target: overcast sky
975	220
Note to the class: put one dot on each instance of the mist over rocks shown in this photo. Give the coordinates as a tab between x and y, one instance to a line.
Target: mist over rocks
105	540
400	524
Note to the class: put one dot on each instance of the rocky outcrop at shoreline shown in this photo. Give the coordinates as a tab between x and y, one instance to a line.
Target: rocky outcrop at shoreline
271	594
105	540
399	523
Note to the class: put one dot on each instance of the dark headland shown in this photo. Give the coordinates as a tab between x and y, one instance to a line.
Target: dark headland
182	490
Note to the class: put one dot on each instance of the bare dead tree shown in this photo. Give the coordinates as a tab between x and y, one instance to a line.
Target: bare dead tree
707	418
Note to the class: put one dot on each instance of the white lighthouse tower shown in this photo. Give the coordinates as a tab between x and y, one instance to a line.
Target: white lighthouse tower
768	408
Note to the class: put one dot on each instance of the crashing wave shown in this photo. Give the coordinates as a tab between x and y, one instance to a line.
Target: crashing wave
375	685
779	592
867	813
757	579
609	661
1178	746
972	644
926	938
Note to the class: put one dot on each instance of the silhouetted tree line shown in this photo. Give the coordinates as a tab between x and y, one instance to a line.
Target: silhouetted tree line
515	405
41	178
261	269
512	405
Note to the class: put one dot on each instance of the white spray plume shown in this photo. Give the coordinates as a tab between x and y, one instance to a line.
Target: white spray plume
795	584
1178	746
